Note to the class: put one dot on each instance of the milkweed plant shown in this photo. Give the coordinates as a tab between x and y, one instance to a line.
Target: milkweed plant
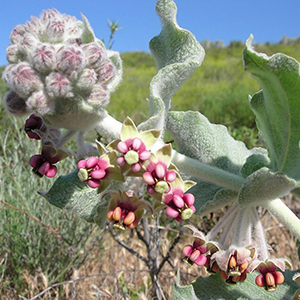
61	76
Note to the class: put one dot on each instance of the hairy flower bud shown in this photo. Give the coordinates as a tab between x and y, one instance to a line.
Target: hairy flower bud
106	71
86	80
58	85
43	58
55	30
69	59
15	104
95	54
39	102
13	53
58	56
23	79
98	97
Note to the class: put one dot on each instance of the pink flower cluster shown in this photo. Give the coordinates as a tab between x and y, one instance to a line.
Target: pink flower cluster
92	171
133	152
158	178
43	165
196	253
180	205
32	123
269	277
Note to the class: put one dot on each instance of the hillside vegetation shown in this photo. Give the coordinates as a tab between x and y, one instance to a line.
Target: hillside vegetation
219	88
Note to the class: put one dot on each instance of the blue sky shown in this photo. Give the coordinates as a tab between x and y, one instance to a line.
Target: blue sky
207	19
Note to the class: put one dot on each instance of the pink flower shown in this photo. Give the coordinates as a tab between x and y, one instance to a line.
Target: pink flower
32	123
200	251
98	171
159	172
133	147
180	204
125	209
233	263
270	277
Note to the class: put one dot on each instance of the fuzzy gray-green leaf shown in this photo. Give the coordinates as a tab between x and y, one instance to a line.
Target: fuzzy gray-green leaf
264	185
214	288
177	55
69	193
277	107
211	144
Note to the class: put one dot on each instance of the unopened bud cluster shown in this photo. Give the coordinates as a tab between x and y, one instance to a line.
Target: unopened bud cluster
50	60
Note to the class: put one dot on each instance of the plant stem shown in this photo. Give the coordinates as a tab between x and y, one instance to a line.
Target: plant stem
284	215
109	126
207	173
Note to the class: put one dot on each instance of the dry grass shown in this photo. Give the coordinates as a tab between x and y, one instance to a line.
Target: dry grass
113	273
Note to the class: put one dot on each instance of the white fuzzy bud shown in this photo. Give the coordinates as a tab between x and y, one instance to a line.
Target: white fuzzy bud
13	53
95	54
69	59
22	78
99	96
106	71
58	85
43	58
17	34
39	103
86	80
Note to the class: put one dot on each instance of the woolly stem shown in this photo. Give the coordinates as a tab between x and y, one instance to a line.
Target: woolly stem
109	126
284	215
260	237
224	221
242	232
207	173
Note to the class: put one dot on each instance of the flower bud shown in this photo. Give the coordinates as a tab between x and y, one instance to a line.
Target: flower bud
94	54
55	30
22	79
106	71
15	104
69	59
86	80
13	53
39	103
99	96
43	58
17	34
58	85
